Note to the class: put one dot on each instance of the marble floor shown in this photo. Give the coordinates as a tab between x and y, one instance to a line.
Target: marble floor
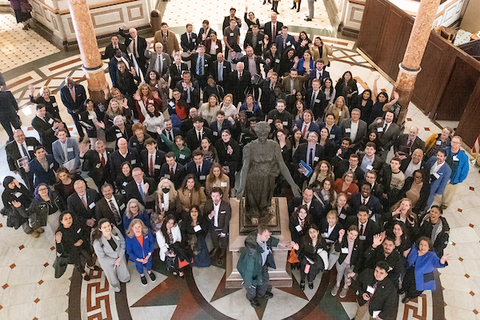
30	291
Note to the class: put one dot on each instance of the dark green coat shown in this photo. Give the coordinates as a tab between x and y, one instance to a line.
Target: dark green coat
250	262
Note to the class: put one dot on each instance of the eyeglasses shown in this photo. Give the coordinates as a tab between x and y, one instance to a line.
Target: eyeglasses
42	189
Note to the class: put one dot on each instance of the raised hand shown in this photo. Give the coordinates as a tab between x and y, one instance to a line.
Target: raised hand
31	88
136	96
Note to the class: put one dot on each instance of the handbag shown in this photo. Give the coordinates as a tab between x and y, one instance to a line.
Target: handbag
60	265
293	258
26	7
183	263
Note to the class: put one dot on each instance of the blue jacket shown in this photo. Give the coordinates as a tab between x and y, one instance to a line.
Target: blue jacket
39	175
135	250
424	268
438	185
144	216
461	172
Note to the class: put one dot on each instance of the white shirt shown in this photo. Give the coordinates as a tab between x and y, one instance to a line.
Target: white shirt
166	201
411	168
112	199
216	208
362	199
353	130
24	144
436	166
388	126
307	204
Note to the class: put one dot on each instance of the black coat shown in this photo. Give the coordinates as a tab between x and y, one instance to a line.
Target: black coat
76	207
225	214
234	160
93	165
394	260
319	104
116	160
103	210
177	179
9	105
131	192
76	106
315	212
45	131
373	204
13	153
356	259
175	75
370	230
158	163
192	140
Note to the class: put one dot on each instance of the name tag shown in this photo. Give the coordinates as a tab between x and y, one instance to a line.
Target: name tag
215	46
288	43
54	104
380	129
197	228
69	149
339	113
223	184
260	42
156	166
51	165
439	143
348	130
376	313
167	176
134	144
124	184
215	133
298	228
134	161
436	175
30	148
206	65
342	216
91	205
116	238
182	156
369	167
122	206
50	121
17	194
315	159
455	158
98	165
277	60
171	104
90	117
345	250
370	289
285	123
324	235
231	34
119	135
202	177
362	237
317	100
332	136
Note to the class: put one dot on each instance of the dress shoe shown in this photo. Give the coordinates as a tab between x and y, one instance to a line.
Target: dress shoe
254	303
268	295
86	277
40	230
143	279
152	276
310	285
302	285
35	234
308	19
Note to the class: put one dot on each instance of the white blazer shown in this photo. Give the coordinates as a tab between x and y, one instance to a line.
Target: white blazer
162	244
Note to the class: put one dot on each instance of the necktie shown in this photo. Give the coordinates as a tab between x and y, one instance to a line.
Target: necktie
151	165
311	157
302	223
179	70
201	66
189	38
312	103
172	173
239	76
364	201
102	160
410	142
114	210
199	136
220	72
84	202
135	48
141	192
274	31
199	169
361	229
284	43
25	153
304	131
160	64
385	127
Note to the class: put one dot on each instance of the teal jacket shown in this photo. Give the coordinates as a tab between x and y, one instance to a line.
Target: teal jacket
250	262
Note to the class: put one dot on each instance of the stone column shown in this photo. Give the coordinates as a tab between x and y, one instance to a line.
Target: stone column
410	66
87	43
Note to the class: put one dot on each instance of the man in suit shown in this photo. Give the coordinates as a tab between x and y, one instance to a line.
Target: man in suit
66	152
365	198
315	99
412	163
254	39
19	148
218	213
170	132
167	38
354	128
199	167
200	65
311	153
273	27
122	154
293	83
220	125
194	136
46	127
320	73
377	188
82	203
369	160
190	89
221	71
306	124
314	207
176	70
96	163
284	40
189	40
159	61
152	159
240	83
205	31
110	49
367	228
111	207
340	166
172	170
73	98
377	293
187	124
407	143
439	173
136	46
387	131
118	56
140	188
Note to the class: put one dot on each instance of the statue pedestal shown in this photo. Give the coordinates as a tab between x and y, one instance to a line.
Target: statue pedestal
280	277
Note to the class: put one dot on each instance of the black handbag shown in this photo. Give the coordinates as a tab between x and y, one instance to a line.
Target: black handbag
60	265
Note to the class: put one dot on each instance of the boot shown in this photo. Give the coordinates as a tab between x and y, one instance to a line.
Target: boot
294	6
40	230
221	257
35	234
214	253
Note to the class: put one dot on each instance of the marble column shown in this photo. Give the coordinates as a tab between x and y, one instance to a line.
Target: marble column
410	66
89	53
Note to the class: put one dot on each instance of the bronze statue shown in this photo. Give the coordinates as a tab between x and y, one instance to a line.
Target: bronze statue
262	163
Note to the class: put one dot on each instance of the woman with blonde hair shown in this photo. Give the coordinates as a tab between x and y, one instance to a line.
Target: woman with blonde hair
44	97
402	211
339	110
139	245
135	210
165	201
218	178
228	107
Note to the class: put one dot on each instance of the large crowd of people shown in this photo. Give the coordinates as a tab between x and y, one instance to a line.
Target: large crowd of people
162	157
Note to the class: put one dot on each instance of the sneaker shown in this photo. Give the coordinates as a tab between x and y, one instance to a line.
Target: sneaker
152	276
144	280
86	277
268	295
334	290
343	293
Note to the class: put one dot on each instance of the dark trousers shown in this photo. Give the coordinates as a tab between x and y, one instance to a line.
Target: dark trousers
81	255
76	120
409	286
8	123
218	242
259	290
